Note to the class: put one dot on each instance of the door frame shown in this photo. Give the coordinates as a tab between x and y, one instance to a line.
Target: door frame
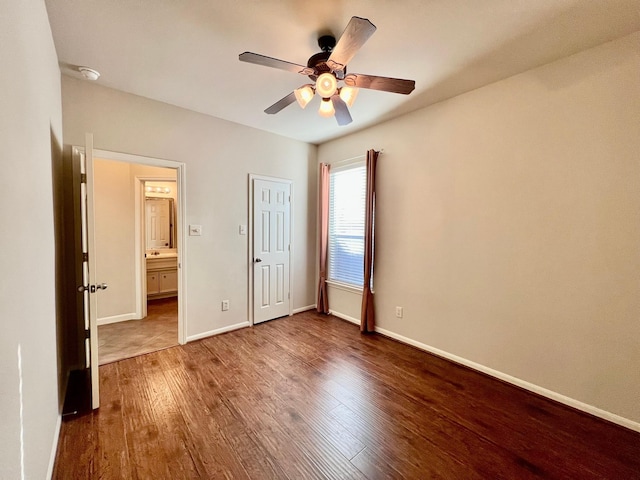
250	256
140	264
141	249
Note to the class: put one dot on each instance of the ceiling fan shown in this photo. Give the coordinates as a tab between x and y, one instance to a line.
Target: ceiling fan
329	67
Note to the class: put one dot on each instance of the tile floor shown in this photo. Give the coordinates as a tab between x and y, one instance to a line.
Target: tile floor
158	330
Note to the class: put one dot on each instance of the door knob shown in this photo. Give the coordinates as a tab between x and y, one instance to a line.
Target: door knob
92	288
258	260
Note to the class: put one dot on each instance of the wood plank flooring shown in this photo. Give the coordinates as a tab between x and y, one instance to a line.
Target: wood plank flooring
308	397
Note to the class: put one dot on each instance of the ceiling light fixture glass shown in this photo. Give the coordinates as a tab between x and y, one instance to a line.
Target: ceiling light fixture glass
326	85
348	95
326	108
304	95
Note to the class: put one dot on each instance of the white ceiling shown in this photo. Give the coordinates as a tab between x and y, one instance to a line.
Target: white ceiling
186	52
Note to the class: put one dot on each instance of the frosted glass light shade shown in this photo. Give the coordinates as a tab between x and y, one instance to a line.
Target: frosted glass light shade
326	85
326	108
348	95
304	95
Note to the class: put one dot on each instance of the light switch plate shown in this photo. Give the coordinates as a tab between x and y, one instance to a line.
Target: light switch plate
195	230
243	229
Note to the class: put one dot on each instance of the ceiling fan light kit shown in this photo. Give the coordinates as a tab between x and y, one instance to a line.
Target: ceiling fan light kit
326	108
326	85
329	67
348	95
304	95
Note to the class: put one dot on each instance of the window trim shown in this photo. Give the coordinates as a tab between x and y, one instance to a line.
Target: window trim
348	164
347	287
358	162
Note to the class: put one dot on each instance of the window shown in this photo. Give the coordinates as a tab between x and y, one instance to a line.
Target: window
346	224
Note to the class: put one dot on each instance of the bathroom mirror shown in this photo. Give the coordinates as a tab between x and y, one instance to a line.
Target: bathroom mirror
159	223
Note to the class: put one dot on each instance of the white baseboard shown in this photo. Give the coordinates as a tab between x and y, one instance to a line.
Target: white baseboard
217	331
54	447
117	318
304	309
595	411
345	317
612	417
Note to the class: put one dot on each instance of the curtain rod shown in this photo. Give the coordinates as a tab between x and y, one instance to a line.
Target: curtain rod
357	157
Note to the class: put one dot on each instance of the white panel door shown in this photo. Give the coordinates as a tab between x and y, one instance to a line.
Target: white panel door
158	223
271	249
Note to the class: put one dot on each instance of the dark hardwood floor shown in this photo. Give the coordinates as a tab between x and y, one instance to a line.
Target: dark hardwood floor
308	397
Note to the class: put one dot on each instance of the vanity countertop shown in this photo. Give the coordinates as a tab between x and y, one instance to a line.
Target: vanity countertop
162	262
151	255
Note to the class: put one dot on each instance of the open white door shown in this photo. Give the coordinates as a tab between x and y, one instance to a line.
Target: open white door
271	249
89	285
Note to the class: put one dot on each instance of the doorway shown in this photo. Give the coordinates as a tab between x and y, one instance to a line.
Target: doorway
135	317
84	386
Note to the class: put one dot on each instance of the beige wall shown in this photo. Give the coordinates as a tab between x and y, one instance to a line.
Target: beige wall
31	139
508	226
219	156
114	238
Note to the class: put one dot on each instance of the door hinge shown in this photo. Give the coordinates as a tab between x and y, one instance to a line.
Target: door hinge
83	178
87	334
85	256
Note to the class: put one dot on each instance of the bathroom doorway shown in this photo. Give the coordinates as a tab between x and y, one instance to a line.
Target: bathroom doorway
135	200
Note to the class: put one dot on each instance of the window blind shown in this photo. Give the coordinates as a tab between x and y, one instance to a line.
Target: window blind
346	224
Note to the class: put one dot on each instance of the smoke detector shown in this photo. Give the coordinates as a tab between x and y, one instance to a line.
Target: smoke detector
89	73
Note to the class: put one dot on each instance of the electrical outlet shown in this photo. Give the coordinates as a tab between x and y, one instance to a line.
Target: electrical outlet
225	305
399	312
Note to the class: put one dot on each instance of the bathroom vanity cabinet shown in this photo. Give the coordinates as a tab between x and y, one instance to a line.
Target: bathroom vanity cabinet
162	277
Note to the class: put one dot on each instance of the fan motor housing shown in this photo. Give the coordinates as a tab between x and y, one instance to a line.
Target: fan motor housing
319	61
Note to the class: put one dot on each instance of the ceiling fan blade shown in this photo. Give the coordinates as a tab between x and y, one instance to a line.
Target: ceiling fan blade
282	103
258	59
386	84
353	38
342	111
